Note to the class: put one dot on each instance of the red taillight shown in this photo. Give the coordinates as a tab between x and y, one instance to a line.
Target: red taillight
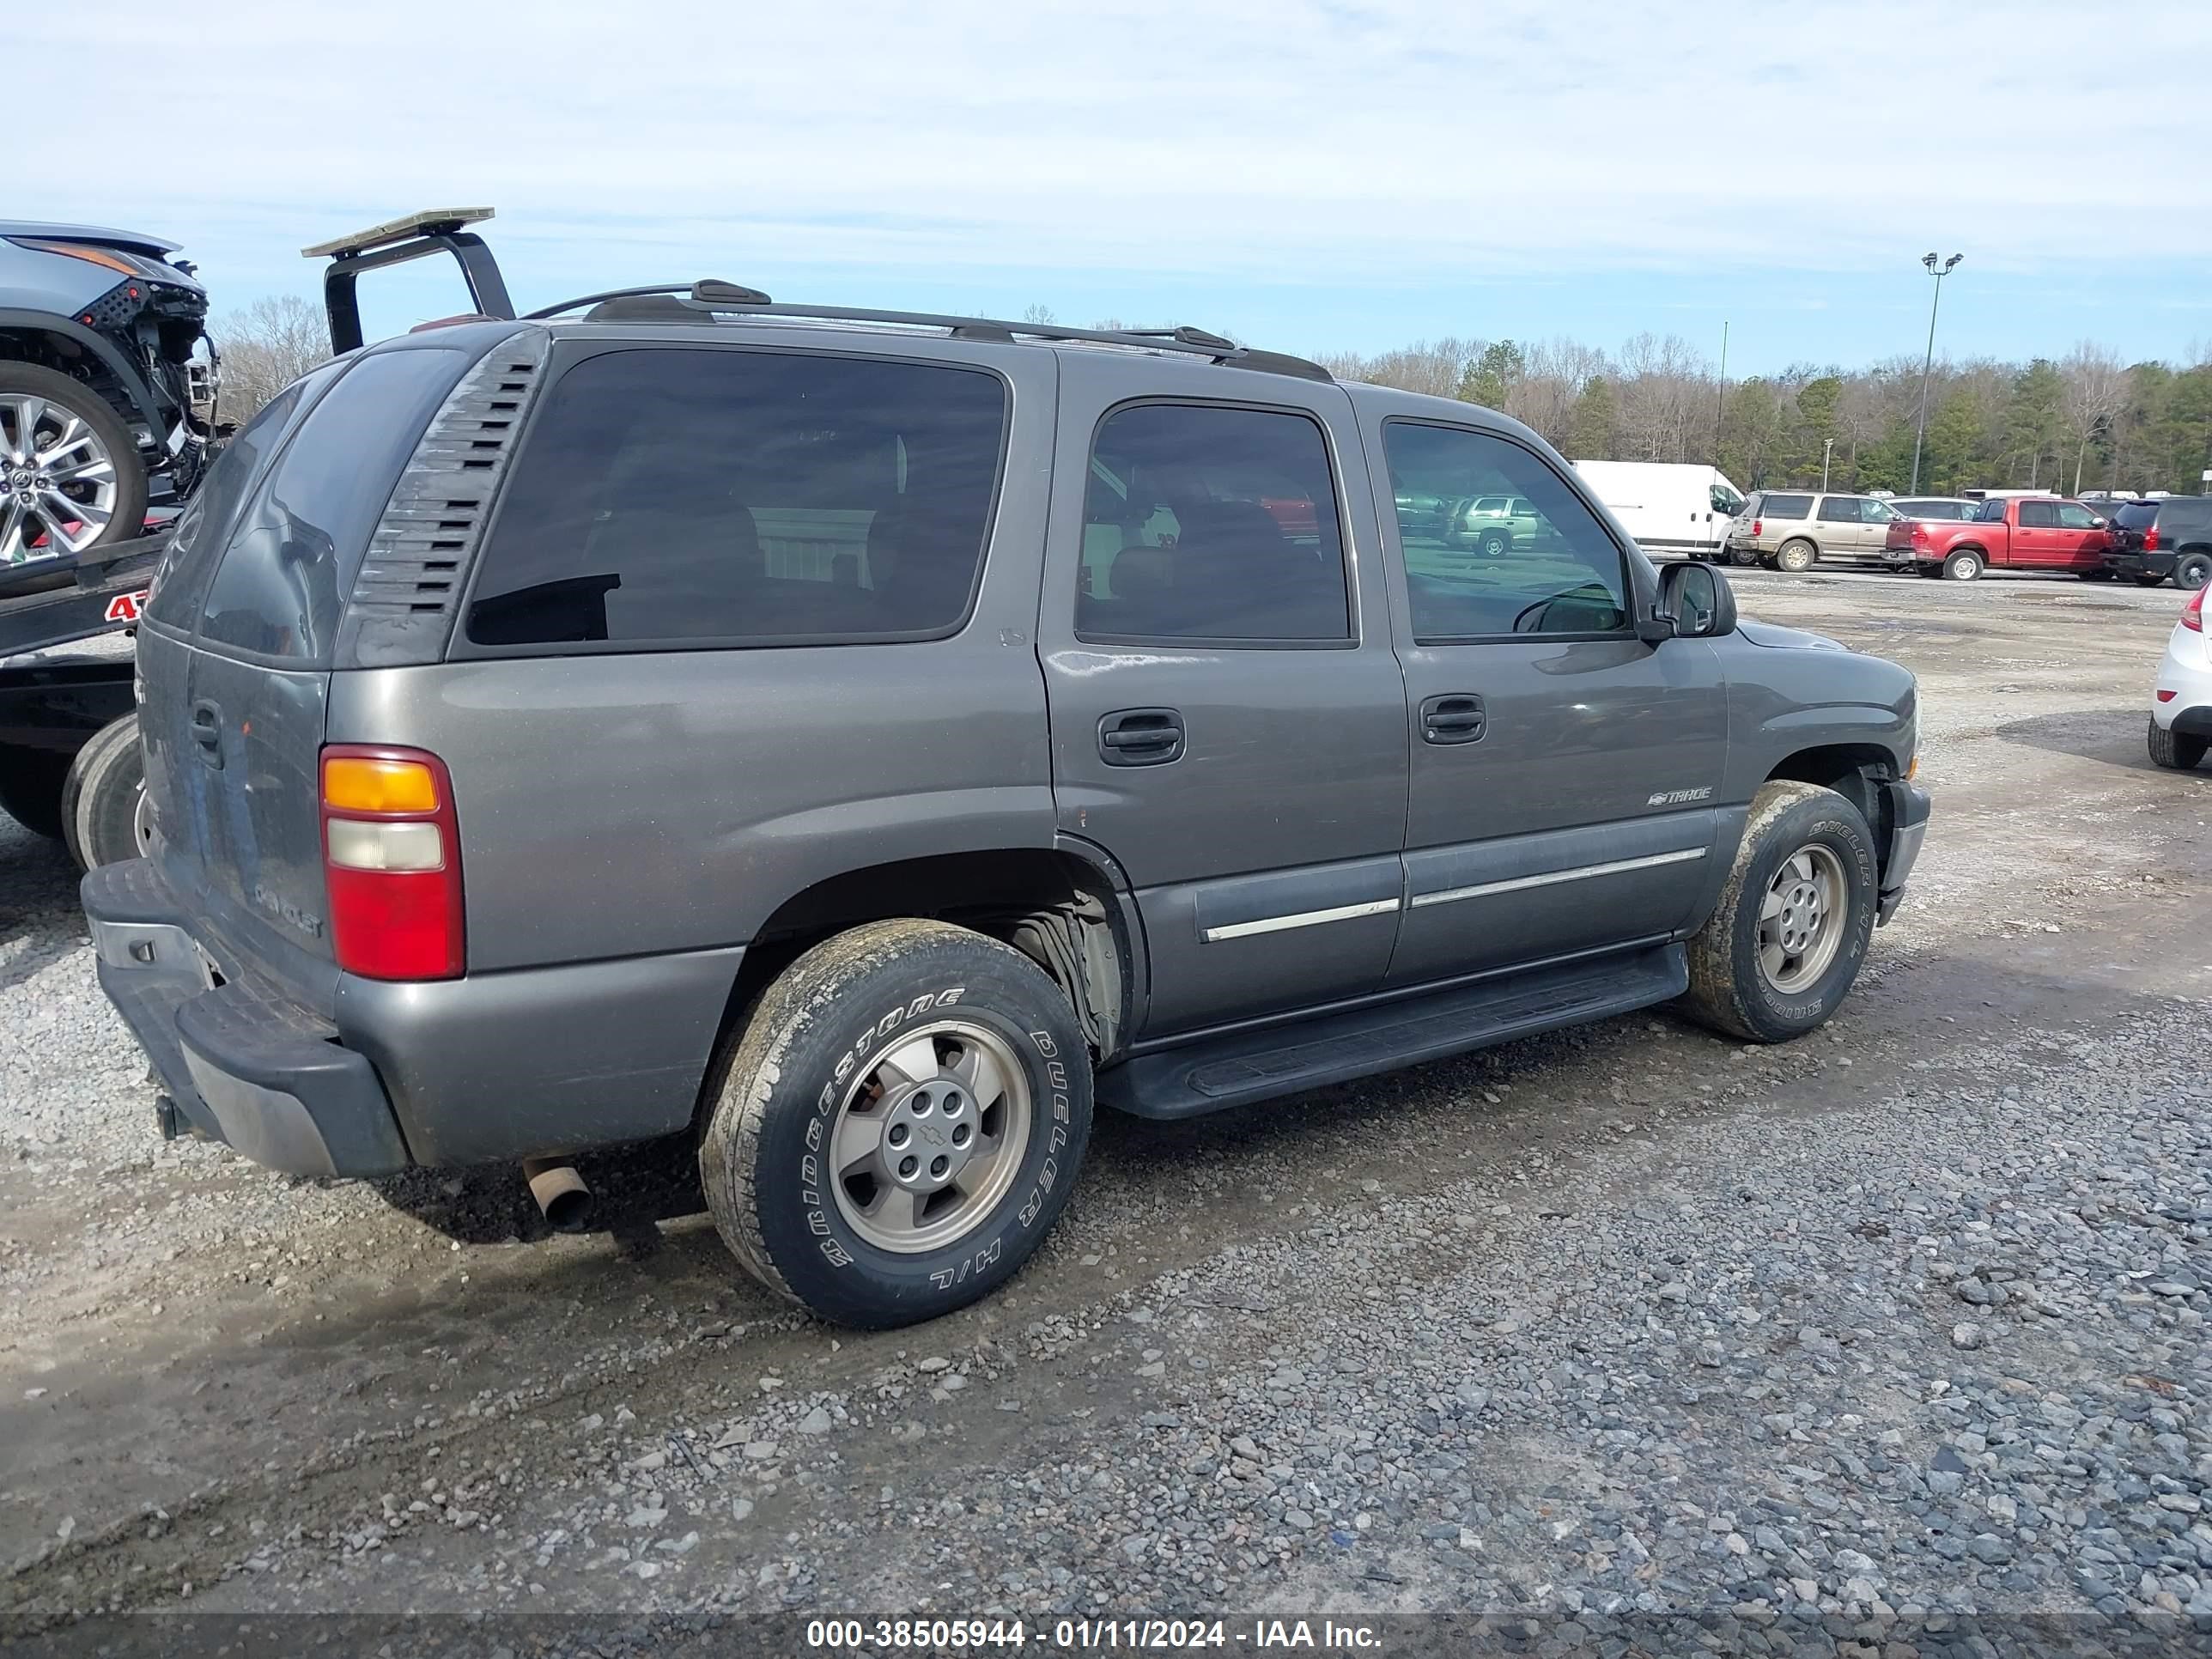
2150	540
392	862
2193	614
1758	527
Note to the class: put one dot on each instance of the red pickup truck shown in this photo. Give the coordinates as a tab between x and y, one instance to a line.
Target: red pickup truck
2011	532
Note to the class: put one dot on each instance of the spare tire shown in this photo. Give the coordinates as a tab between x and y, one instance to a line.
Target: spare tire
99	801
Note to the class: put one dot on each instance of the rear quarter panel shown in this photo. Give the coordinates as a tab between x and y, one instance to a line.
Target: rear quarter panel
628	802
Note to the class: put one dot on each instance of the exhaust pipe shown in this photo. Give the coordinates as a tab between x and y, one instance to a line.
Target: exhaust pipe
561	1195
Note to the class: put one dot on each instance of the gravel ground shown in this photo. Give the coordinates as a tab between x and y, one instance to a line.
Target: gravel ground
1904	1321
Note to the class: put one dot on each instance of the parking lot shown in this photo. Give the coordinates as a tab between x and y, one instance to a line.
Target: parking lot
1910	1313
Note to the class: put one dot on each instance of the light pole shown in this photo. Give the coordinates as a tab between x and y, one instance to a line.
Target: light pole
1927	362
1827	448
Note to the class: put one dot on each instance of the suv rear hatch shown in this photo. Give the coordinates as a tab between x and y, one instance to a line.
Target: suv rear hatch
235	656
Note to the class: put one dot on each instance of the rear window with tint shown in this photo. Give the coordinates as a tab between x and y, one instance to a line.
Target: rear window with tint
298	545
673	497
1785	507
2136	516
201	529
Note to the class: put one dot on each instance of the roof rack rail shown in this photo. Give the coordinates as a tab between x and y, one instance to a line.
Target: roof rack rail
711	296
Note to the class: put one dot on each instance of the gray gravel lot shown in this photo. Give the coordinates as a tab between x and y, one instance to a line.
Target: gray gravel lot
1905	1318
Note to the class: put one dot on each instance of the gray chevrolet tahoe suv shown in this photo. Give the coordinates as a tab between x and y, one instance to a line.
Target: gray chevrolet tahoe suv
865	742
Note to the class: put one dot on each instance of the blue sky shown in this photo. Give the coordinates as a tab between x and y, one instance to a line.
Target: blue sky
1310	176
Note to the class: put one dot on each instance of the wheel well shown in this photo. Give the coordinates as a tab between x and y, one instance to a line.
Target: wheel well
1054	908
1975	548
64	355
1853	770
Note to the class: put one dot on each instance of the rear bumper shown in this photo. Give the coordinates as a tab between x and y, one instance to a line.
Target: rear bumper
2135	562
241	1063
1909	806
484	1069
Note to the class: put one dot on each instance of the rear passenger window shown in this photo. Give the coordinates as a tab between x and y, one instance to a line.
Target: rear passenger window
1553	570
1785	507
1841	509
197	539
291	561
686	497
1210	523
2039	515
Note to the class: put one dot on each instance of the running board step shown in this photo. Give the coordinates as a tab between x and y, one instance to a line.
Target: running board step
1242	1066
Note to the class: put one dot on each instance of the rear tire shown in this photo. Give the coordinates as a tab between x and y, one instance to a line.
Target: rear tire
31	783
1743	558
99	801
2192	570
2177	751
1493	544
1780	951
851	1068
1795	557
25	387
1963	567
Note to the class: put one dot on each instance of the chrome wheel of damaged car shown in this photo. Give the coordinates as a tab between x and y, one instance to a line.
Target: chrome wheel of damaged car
927	1142
1798	918
59	488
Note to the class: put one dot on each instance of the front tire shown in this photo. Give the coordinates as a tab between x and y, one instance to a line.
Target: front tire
899	1123
84	484
2177	751
1780	949
99	801
1962	566
1795	557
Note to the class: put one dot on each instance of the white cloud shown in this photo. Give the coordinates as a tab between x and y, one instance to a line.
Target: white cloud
1220	139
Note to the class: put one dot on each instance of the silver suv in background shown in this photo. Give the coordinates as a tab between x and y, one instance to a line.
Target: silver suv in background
1795	530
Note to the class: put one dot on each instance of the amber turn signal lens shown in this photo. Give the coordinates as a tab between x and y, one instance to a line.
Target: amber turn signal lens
359	783
1913	770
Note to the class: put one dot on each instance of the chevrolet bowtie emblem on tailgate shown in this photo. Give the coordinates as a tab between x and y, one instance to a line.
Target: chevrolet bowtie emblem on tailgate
1679	797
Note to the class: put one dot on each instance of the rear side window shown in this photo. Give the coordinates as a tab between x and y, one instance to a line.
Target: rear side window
1842	509
298	545
2039	515
202	528
1212	523
1785	507
679	497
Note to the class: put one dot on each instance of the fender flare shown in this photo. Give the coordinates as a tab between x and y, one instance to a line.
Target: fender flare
132	382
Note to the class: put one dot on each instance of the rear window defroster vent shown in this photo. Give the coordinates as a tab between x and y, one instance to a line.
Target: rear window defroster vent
402	609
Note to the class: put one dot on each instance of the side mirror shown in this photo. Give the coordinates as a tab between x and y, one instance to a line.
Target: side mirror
1695	603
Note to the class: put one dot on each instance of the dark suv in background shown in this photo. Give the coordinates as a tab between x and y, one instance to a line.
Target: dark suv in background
863	741
2153	540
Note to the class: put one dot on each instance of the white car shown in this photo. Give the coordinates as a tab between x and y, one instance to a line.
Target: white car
2181	703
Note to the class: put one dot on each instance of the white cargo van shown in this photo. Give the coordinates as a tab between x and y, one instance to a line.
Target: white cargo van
1668	507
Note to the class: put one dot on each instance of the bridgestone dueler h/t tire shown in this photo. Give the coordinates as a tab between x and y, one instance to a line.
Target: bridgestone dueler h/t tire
1727	990
830	1019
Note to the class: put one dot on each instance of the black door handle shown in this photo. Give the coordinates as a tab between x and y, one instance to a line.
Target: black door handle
1140	737
207	732
1455	717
